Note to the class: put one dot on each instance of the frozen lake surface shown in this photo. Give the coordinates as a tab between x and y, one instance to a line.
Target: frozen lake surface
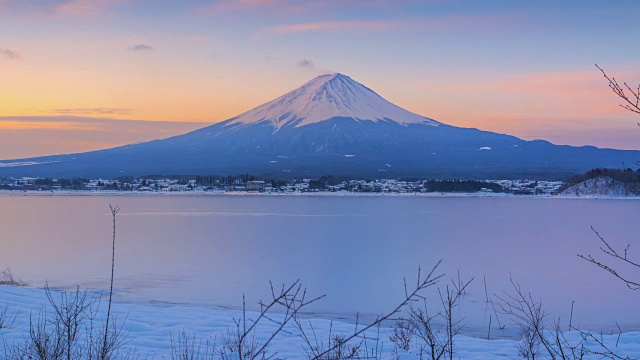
209	250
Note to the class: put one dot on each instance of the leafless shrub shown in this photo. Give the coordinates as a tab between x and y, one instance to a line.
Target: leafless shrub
68	329
241	341
431	341
538	341
6	278
70	313
235	346
189	347
356	344
410	296
339	347
527	314
402	334
7	318
43	342
450	300
598	346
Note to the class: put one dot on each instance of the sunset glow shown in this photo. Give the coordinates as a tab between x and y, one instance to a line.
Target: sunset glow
524	68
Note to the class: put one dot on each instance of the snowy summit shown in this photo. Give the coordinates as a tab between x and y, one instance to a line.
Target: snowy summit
326	97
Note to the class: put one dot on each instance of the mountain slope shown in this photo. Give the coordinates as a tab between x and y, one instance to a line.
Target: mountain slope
331	125
326	97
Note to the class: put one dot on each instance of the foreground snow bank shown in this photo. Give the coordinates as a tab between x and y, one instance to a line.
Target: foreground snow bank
151	325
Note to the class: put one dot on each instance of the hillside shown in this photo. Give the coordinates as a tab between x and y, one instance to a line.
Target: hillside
603	183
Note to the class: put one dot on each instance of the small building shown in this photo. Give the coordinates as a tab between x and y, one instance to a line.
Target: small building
255	186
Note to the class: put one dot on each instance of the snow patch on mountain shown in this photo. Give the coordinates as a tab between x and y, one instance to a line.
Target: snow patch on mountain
601	186
326	97
23	163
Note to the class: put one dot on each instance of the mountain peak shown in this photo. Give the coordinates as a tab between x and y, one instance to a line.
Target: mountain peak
326	97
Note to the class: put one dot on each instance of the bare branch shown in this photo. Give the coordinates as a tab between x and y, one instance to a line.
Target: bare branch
631	101
422	284
610	251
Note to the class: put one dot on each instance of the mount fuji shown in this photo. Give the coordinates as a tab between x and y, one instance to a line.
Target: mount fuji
331	125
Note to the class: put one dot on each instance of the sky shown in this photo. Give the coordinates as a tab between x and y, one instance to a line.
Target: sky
79	75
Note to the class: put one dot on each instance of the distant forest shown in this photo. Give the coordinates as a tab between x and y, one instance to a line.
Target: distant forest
465	186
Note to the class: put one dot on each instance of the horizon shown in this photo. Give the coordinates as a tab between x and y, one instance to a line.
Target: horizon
87	75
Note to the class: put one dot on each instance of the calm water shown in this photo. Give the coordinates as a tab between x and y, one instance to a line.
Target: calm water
209	250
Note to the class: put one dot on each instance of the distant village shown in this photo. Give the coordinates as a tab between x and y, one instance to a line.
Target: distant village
250	184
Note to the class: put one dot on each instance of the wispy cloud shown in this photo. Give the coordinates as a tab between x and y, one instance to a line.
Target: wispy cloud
27	136
305	63
60	8
288	7
431	24
279	6
21	125
200	38
364	26
92	111
141	47
10	54
84	7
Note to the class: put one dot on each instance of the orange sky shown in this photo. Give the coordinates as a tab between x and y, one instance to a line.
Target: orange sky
525	69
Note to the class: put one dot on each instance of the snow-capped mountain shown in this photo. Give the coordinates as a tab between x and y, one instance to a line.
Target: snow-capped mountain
331	125
326	97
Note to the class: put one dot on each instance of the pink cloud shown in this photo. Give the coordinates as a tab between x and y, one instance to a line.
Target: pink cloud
573	93
572	107
446	24
251	5
333	26
297	6
10	54
85	7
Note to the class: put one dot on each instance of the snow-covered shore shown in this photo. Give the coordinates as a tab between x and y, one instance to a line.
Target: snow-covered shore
245	193
314	194
151	325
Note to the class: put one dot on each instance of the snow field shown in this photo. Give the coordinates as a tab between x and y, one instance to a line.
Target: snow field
152	324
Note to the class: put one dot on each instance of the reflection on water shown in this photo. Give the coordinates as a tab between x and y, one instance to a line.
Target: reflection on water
356	250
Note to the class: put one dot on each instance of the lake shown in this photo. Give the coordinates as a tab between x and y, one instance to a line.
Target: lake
208	250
